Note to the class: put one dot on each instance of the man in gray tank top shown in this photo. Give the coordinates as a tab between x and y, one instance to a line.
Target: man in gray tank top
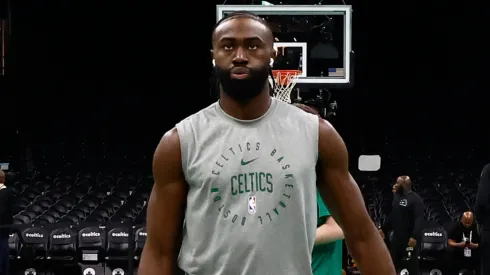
235	190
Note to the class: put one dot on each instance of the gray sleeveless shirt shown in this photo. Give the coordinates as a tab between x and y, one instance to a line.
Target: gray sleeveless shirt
251	206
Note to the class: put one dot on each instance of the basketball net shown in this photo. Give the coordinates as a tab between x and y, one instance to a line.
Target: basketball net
285	82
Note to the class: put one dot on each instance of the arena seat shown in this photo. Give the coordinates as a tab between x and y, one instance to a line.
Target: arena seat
432	250
139	242
62	249
118	252
70	219
90	202
33	252
76	213
22	203
60	208
118	243
99	215
124	214
141	217
21	219
67	202
35	240
62	244
15	245
32	212
45	219
83	208
91	243
91	248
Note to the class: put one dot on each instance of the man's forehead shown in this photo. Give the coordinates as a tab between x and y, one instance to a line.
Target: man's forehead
241	28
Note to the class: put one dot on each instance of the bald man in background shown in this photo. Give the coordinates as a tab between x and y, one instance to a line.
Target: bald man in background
406	221
6	202
464	239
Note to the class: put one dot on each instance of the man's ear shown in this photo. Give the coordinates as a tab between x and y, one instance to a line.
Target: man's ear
273	57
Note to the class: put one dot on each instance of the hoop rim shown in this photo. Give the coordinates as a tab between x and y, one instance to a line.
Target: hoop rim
286	71
284	74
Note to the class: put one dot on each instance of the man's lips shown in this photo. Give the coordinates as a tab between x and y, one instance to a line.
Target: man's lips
239	72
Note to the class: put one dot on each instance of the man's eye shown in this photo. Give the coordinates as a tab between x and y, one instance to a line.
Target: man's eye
227	48
252	47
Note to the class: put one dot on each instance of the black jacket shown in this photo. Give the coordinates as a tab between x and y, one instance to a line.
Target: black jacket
6	205
407	216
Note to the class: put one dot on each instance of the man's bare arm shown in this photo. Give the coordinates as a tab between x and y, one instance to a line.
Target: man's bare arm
328	232
166	210
343	198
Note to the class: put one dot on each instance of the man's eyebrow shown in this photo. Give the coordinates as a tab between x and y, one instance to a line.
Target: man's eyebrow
248	39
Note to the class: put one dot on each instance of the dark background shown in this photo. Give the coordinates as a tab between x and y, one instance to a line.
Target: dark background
126	72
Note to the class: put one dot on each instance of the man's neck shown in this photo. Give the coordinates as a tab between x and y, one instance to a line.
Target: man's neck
249	110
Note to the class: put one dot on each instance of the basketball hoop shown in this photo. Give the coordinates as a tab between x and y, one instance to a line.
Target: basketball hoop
285	82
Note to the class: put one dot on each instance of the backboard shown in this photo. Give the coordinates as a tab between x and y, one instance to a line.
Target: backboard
315	39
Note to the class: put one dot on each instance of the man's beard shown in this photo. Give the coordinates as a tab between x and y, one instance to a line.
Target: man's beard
243	89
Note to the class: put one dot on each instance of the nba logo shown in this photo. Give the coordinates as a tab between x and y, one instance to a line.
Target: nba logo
252	205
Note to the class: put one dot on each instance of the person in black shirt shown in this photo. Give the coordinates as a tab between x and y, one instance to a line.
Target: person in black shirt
482	215
406	221
6	202
464	239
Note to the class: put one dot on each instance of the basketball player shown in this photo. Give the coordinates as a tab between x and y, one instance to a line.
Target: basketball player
327	253
240	174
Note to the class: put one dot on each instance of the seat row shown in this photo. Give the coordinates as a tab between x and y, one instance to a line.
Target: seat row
110	249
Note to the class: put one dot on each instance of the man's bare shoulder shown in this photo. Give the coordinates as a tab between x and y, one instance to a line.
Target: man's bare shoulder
326	127
169	142
167	157
330	141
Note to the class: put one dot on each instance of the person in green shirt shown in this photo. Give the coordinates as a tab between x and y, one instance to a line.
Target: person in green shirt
327	253
326	258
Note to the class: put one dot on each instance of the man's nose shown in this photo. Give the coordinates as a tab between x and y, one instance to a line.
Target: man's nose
240	57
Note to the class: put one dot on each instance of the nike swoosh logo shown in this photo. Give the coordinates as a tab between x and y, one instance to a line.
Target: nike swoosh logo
248	162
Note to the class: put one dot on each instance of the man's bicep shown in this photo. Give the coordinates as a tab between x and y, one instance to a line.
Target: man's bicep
337	187
167	202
